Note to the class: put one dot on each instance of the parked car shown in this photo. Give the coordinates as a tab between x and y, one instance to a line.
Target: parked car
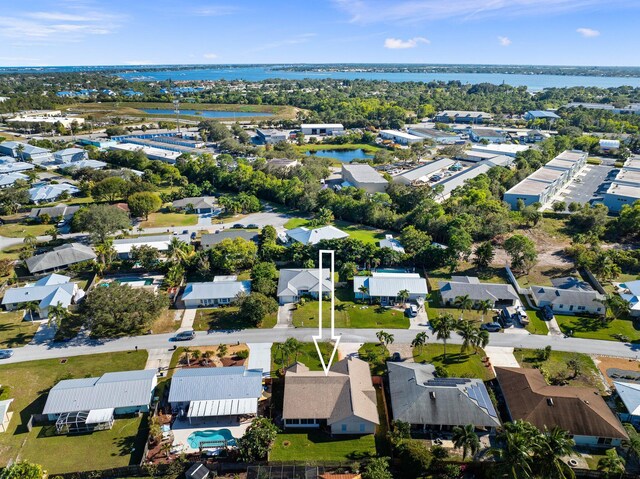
237	226
185	232
547	313
185	335
411	311
396	357
506	322
253	226
491	327
6	353
194	235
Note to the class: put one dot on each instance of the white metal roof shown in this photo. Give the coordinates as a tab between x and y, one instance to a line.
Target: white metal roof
223	407
97	416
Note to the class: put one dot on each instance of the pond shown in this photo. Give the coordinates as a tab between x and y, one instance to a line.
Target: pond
343	155
205	113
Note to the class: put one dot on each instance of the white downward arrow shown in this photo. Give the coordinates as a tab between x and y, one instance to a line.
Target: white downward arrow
334	337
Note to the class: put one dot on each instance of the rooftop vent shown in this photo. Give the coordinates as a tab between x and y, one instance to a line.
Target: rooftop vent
432	394
550	401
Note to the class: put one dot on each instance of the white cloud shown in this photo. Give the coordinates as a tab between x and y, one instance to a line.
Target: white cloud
210	56
137	62
413	11
504	41
588	32
296	40
215	10
397	43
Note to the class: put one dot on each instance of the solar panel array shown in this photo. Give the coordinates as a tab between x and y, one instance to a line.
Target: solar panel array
447	382
479	393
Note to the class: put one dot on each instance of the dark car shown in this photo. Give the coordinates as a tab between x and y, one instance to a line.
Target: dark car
237	226
194	235
185	335
396	357
185	232
6	353
491	327
253	226
547	313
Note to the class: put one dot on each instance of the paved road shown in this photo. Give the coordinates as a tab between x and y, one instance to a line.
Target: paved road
78	347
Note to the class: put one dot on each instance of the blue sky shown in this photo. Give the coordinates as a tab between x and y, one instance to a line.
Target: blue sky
93	32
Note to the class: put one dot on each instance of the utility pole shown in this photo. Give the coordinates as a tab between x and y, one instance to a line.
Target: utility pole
176	109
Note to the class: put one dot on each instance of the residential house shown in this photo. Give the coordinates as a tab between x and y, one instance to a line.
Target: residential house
428	402
486	135
160	242
500	295
364	177
92	164
400	137
541	115
385	287
197	471
569	296
390	242
49	192
201	393
65	212
198	204
35	154
343	401
629	394
630	292
90	404
9	179
580	411
457	116
313	236
5	415
50	291
222	291
11	165
60	257
322	128
298	282
69	155
209	240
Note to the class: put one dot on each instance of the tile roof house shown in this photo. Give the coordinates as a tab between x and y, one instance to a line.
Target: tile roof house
90	403
298	282
344	400
499	294
568	295
421	399
49	291
223	290
199	204
386	287
629	393
580	411
50	192
213	392
314	236
60	257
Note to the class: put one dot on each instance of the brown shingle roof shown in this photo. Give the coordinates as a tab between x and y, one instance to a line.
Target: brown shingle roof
580	411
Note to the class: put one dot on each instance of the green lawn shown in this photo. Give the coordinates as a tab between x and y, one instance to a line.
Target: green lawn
307	356
12	252
363	233
557	364
349	314
536	325
316	446
28	382
376	355
227	318
19	230
161	220
459	364
15	332
592	328
434	308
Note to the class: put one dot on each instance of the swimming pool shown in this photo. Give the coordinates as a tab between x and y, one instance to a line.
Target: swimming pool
211	438
135	281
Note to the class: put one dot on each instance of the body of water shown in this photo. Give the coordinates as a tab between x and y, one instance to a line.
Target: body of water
533	82
345	156
216	436
205	113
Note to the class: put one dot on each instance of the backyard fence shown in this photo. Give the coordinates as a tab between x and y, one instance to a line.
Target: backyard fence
593	280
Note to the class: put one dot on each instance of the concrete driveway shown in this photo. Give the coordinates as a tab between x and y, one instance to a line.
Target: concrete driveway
260	357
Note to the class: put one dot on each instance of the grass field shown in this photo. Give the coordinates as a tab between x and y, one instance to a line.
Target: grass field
536	325
363	233
19	230
376	355
166	323
12	252
227	319
28	382
161	220
592	328
14	332
307	355
316	446
349	314
557	364
459	364
434	308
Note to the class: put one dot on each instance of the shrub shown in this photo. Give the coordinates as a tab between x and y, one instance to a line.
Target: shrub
244	354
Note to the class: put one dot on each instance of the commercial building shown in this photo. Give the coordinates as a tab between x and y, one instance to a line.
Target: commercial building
151	152
201	393
386	287
364	177
50	291
322	128
35	117
459	116
90	404
496	149
400	137
222	291
343	401
500	295
450	183
298	282
580	411
607	145
428	402
543	184
487	135
438	136
422	174
60	257
625	188
271	136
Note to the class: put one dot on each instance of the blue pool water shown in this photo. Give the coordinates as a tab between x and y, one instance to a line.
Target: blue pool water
205	113
211	435
345	156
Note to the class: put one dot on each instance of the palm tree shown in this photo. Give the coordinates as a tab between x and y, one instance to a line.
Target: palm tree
482	340
403	296
20	151
30	241
385	339
187	354
207	356
293	346
105	251
58	312
612	464
53	232
178	251
443	326
196	354
469	334
633	443
419	341
484	306
465	437
222	351
463	303
615	306
31	307
549	451
518	437
166	448
364	291
280	348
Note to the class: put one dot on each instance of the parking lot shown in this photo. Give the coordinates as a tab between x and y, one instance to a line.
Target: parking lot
590	183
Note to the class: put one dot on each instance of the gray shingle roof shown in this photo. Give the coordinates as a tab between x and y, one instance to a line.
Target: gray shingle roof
55	211
215	290
208	240
203	384
197	202
477	291
60	257
292	281
112	390
417	397
575	297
